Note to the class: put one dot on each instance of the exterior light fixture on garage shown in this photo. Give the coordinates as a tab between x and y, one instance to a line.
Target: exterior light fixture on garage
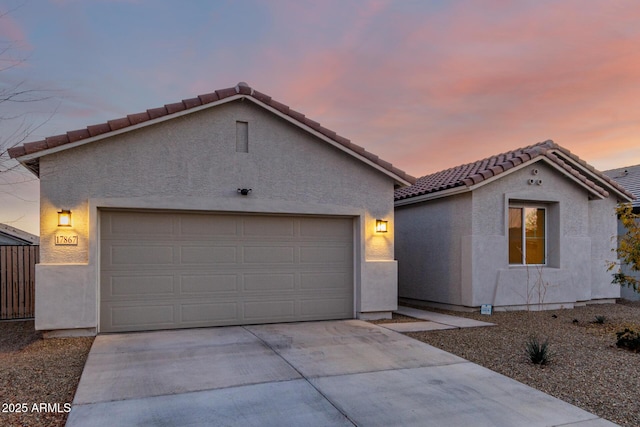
244	191
64	218
381	226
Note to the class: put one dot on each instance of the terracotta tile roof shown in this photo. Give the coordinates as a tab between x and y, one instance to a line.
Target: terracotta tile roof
241	89
629	178
474	173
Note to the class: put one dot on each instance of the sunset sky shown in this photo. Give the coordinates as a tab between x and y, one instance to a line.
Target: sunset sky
424	84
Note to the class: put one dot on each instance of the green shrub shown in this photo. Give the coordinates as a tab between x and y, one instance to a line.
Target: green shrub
629	339
538	352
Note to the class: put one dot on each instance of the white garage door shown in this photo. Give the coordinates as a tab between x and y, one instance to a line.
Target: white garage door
162	270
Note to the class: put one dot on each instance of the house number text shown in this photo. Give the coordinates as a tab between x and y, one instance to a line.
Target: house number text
62	239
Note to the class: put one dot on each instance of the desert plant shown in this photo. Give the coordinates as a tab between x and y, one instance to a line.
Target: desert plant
628	249
600	320
629	339
538	352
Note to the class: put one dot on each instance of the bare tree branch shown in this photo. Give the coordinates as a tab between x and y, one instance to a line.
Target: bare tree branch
16	126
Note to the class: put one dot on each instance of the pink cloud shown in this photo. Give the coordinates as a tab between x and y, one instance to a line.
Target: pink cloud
430	89
10	29
14	42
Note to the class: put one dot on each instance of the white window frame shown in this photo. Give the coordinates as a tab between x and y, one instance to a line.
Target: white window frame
523	206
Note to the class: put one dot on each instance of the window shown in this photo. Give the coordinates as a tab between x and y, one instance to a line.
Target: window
527	235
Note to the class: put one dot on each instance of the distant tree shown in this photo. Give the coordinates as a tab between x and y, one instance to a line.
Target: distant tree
628	249
15	128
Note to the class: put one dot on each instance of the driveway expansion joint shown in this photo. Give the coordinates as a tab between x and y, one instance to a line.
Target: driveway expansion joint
324	396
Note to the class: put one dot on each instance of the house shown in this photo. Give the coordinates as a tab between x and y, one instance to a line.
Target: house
225	209
531	228
629	178
13	236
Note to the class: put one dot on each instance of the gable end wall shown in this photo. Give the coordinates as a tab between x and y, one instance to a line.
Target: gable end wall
579	235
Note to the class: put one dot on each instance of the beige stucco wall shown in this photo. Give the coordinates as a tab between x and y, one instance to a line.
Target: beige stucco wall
191	163
603	228
432	250
579	242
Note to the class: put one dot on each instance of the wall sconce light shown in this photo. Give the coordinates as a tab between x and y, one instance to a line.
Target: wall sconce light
381	226
244	191
64	218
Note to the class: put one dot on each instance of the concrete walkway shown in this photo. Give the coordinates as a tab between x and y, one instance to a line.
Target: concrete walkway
433	321
335	373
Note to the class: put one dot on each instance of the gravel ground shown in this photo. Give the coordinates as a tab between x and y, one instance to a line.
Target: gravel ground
37	371
587	369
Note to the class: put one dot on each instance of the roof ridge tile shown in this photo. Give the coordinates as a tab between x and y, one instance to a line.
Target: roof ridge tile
226	93
36	146
208	98
154	113
99	129
117	124
175	107
54	141
16	151
262	97
191	103
138	118
284	109
77	135
243	88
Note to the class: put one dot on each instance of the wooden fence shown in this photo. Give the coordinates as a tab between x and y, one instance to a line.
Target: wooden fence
17	281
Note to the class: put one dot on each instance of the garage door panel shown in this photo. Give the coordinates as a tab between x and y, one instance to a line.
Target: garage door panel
137	224
139	255
124	286
206	313
208	254
323	280
326	229
269	254
324	254
268	227
209	226
261	311
145	315
269	282
221	269
208	284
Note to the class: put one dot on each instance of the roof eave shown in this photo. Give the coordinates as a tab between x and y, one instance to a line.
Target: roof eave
432	196
17	239
19	235
593	176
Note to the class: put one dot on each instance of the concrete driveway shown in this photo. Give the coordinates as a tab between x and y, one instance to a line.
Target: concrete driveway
335	373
